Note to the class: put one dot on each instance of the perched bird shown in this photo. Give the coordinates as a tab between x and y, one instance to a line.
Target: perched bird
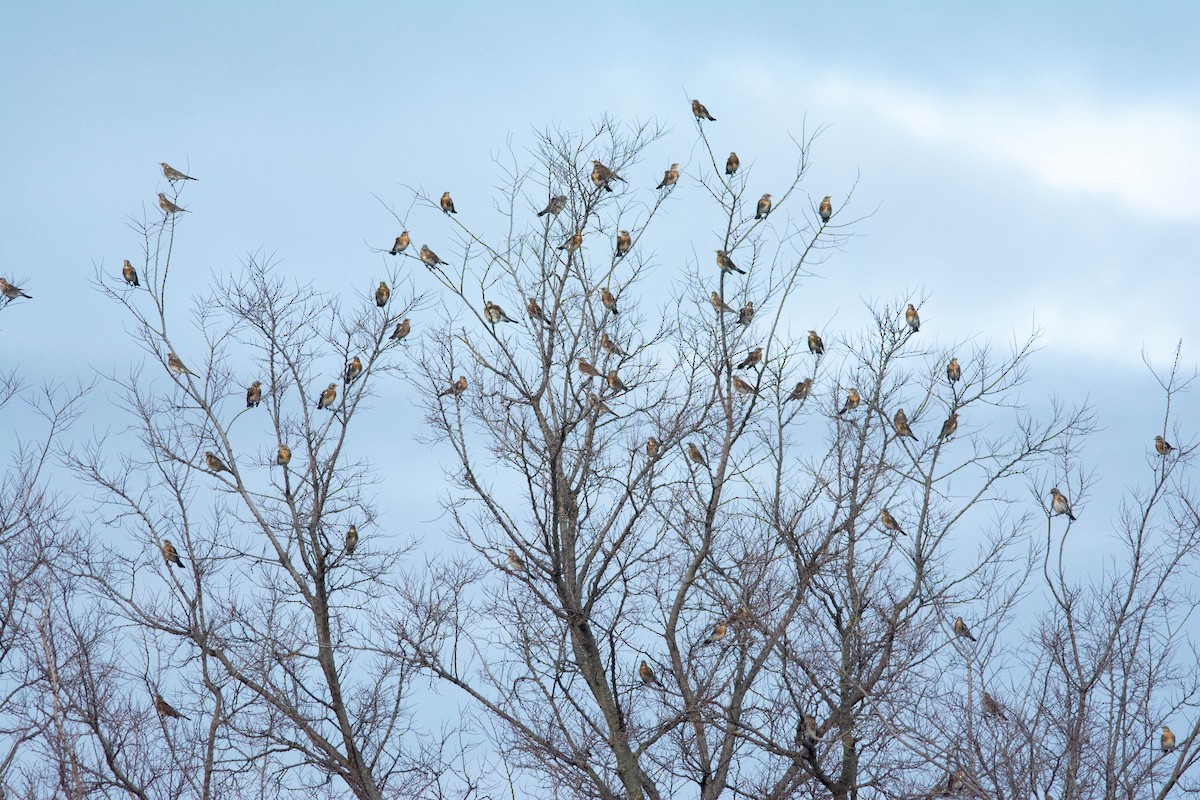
494	313
353	369
815	345
176	366
587	368
764	207
254	394
12	292
825	209
991	706
653	448
742	387
695	455
327	397
610	302
1162	446
754	357
573	243
718	304
953	371
403	328
170	554
603	177
534	310
615	383
701	112
609	346
807	729
647	675
852	401
351	540
747	313
802	389
167	206
889	522
429	257
912	318
129	274
555	206
214	462
726	263
401	244
165	709
599	406
718	632
956	780
447	204
456	388
961	629
732	163
1167	740
172	174
1059	504
624	242
670	177
284	456
515	562
902	427
382	294
949	427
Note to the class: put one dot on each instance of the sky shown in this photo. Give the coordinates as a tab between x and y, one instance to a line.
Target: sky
1024	165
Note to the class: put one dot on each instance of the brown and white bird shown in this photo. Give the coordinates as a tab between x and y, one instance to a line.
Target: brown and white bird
447	204
1163	447
382	294
610	302
603	177
555	206
165	709
949	427
353	369
587	368
747	313
890	523
167	206
573	243
599	406
670	177
912	318
815	345
456	388
11	292
401	244
852	401
328	397
615	383
494	313
825	209
351	540
902	427
172	174
752	359
170	554
609	346
961	630
403	328
732	163
647	675
807	729
717	633
515	562
624	242
956	780
726	263
801	390
214	462
701	112
653	448
284	455
534	310
695	455
176	366
1059	504
718	304
763	209
741	387
129	274
953	371
429	257
254	394
1167	740
991	706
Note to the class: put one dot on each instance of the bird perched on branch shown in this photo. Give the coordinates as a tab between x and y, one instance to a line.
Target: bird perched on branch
167	206
573	243
825	209
610	302
165	709
382	294
587	368
351	540
732	163
1059	504
890	523
624	242
701	112
956	780
172	174
609	346
953	371
806	730
670	177
456	388
599	406
653	448
815	345
747	313
447	204
949	427
1163	447
647	675
12	292
429	257
494	313
852	401
603	177
991	706
254	394
718	304
353	369
726	263
902	426
763	210
401	244
741	387
327	397
176	366
695	455
615	383
170	554
555	206
752	359
403	328
284	456
515	562
129	274
912	318
961	629
718	632
214	462
534	310
1167	740
801	390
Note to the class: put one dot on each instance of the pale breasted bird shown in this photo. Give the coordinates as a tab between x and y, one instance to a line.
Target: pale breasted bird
852	401
718	304
165	709
1162	446
753	358
953	371
170	554
573	243
732	163
429	257
172	174
587	368
653	448
254	394
889	522
670	177
284	456
807	729
701	112
176	366
1059	504
351	540
726	263
129	274
610	302
615	383
815	345
494	313
647	675
12	292
214	462
609	346
382	294
902	426
961	629
718	632
956	780
353	369
401	244
741	387
624	242
950	426
167	206
912	318
825	209
447	204
991	706
603	177
328	397
1167	740
599	406
515	562
747	313
403	328
456	388
802	389
764	207
555	206
695	455
534	310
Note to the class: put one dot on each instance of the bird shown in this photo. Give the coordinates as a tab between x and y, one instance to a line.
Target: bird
351	540
1162	446
610	302
172	174
402	330
609	346
889	522
165	709
284	456
754	357
515	562
695	455
764	207
327	397
653	448
176	366
534	310
825	209
456	388
701	112
12	292
956	780
647	675
815	345
429	257
718	304
572	244
1167	740
912	318
726	263
615	383
382	294
953	371
802	389
949	427
747	313
991	706
401	244
129	274
732	163
254	394
1059	504
599	406
167	206
603	177
214	462
353	369
555	206
902	427
447	204
718	632
624	242
670	177
170	554
494	313
587	368
852	401
742	387
961	629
